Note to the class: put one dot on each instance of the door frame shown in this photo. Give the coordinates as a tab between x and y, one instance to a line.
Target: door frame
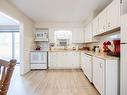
21	31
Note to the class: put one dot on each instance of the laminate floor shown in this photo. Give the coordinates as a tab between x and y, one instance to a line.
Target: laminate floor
51	82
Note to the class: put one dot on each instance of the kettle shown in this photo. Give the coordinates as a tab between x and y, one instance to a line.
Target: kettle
93	49
97	49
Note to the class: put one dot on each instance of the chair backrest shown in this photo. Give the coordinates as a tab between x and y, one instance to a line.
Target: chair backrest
6	71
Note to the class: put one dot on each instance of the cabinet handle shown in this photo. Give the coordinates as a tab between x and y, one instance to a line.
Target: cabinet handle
109	24
101	65
104	27
89	60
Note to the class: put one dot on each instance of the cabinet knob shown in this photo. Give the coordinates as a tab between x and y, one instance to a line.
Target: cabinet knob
104	27
101	65
109	25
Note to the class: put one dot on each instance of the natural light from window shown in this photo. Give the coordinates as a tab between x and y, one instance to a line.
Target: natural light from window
63	37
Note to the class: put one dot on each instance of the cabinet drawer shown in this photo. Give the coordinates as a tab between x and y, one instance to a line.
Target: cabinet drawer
38	66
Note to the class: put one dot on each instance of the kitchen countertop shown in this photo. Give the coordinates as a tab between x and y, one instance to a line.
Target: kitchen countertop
64	50
39	50
99	55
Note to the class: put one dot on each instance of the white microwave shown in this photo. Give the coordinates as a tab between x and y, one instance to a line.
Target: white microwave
41	35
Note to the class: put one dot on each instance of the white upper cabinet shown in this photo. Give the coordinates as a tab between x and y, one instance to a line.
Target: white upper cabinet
88	33
51	36
95	24
78	35
102	22
108	19
113	15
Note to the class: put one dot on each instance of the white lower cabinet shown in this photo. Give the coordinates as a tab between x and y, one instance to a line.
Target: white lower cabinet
64	60
98	74
105	76
86	65
82	62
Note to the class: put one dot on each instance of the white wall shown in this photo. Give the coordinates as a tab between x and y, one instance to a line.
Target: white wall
58	25
88	19
27	26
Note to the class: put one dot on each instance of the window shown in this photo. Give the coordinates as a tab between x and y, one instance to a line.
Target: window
63	37
6	46
9	46
16	46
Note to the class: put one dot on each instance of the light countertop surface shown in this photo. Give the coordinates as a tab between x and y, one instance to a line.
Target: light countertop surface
99	55
67	50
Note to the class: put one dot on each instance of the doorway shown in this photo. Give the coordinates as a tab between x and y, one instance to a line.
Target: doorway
9	39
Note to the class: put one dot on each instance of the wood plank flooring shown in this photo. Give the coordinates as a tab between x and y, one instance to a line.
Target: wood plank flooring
51	82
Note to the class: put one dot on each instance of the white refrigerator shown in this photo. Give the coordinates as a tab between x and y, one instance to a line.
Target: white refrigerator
123	64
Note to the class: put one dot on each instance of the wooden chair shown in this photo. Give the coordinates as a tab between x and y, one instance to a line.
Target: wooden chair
6	71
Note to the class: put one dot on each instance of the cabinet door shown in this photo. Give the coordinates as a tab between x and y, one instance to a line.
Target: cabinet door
88	66
95	71
112	77
102	22
61	60
50	59
82	62
66	60
113	15
51	36
88	33
98	74
78	35
38	57
95	26
54	59
76	60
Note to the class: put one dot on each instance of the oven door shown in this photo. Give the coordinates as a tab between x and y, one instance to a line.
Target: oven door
38	57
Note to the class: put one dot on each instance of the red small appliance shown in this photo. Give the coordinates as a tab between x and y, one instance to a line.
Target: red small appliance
105	46
116	50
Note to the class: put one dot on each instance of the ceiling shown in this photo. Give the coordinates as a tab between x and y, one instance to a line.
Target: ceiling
6	20
59	10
